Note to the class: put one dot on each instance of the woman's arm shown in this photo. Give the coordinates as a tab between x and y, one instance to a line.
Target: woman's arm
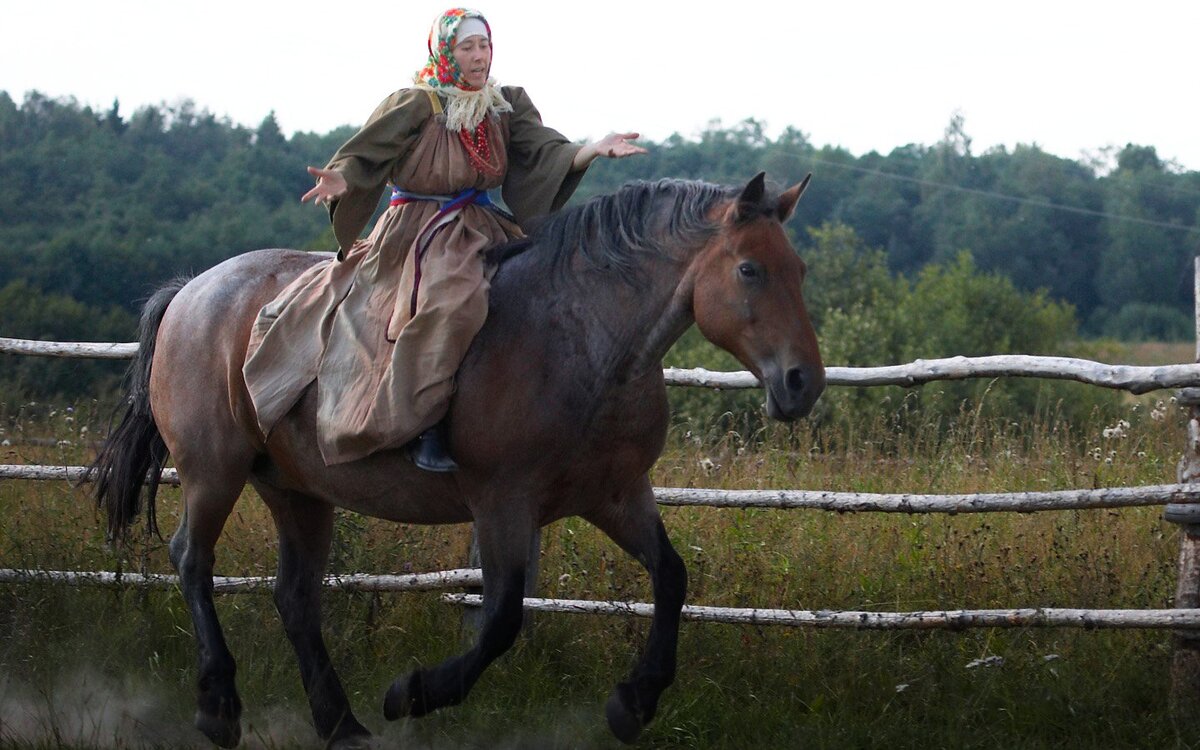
351	183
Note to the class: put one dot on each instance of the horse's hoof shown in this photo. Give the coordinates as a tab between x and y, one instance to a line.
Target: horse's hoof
353	742
402	696
222	732
623	719
350	735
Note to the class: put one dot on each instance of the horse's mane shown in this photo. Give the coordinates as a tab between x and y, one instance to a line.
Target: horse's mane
613	232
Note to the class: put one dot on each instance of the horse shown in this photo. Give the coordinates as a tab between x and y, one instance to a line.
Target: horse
560	410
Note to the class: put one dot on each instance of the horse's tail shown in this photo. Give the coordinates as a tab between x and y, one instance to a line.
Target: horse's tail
134	454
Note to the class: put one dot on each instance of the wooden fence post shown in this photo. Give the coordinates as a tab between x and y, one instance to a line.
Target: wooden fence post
1185	662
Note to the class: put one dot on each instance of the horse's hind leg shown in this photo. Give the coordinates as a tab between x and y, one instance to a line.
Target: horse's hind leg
504	538
207	503
637	527
305	534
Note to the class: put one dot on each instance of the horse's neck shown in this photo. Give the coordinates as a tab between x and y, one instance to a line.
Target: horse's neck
664	327
631	328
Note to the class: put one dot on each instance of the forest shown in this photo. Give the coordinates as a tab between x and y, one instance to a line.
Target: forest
97	207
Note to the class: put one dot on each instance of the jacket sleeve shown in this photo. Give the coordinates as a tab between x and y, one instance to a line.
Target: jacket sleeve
539	179
368	157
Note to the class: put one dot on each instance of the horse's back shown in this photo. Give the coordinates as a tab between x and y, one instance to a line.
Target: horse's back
259	274
195	380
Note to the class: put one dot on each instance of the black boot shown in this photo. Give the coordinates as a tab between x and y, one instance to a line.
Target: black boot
428	451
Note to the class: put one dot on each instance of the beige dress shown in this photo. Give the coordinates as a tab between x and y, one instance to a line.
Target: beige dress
384	374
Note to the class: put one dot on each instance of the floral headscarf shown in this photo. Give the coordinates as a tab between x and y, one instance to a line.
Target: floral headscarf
467	106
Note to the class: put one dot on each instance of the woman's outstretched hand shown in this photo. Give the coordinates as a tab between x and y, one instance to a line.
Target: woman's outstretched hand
330	186
611	146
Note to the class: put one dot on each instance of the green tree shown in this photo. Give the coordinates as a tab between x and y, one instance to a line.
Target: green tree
30	314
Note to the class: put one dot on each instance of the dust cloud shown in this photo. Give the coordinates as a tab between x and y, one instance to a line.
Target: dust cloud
93	710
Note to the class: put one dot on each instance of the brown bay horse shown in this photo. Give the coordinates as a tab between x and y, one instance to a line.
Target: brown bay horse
560	410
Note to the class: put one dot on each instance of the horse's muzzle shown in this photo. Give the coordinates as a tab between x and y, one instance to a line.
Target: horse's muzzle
791	393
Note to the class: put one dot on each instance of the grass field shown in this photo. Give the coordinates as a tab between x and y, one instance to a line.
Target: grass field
104	668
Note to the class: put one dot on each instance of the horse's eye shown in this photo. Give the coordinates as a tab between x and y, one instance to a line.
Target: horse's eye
749	271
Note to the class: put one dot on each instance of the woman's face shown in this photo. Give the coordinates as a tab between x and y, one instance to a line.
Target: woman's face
474	58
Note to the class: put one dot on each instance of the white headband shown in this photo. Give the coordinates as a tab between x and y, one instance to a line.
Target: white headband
470	27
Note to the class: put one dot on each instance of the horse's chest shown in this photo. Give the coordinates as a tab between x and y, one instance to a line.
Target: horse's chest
620	443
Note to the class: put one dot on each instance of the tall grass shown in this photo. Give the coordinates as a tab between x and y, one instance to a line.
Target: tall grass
86	668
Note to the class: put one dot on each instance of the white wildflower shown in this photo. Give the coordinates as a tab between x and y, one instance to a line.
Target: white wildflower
1116	431
987	661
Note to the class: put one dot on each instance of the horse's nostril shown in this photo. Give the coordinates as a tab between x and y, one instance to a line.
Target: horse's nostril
794	380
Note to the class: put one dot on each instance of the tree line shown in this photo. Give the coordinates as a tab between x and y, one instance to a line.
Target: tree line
98	207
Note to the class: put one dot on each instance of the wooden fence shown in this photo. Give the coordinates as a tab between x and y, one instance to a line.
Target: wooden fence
1182	501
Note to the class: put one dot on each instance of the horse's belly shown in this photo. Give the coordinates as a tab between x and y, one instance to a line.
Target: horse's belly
408	508
383	485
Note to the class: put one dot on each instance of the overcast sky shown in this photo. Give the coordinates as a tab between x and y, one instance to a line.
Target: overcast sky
1073	77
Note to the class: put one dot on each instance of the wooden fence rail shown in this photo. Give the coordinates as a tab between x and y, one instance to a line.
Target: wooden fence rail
1184	619
1125	619
1119	377
444	579
840	502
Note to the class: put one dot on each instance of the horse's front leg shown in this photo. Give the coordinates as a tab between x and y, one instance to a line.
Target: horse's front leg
305	534
503	537
634	523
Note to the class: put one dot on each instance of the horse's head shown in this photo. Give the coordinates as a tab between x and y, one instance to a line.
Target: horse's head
748	299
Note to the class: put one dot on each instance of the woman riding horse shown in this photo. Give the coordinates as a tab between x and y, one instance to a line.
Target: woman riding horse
383	330
563	407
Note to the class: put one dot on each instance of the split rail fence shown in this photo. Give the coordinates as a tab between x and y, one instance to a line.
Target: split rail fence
1182	501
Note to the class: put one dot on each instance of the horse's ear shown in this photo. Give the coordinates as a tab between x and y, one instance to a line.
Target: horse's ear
749	203
789	199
